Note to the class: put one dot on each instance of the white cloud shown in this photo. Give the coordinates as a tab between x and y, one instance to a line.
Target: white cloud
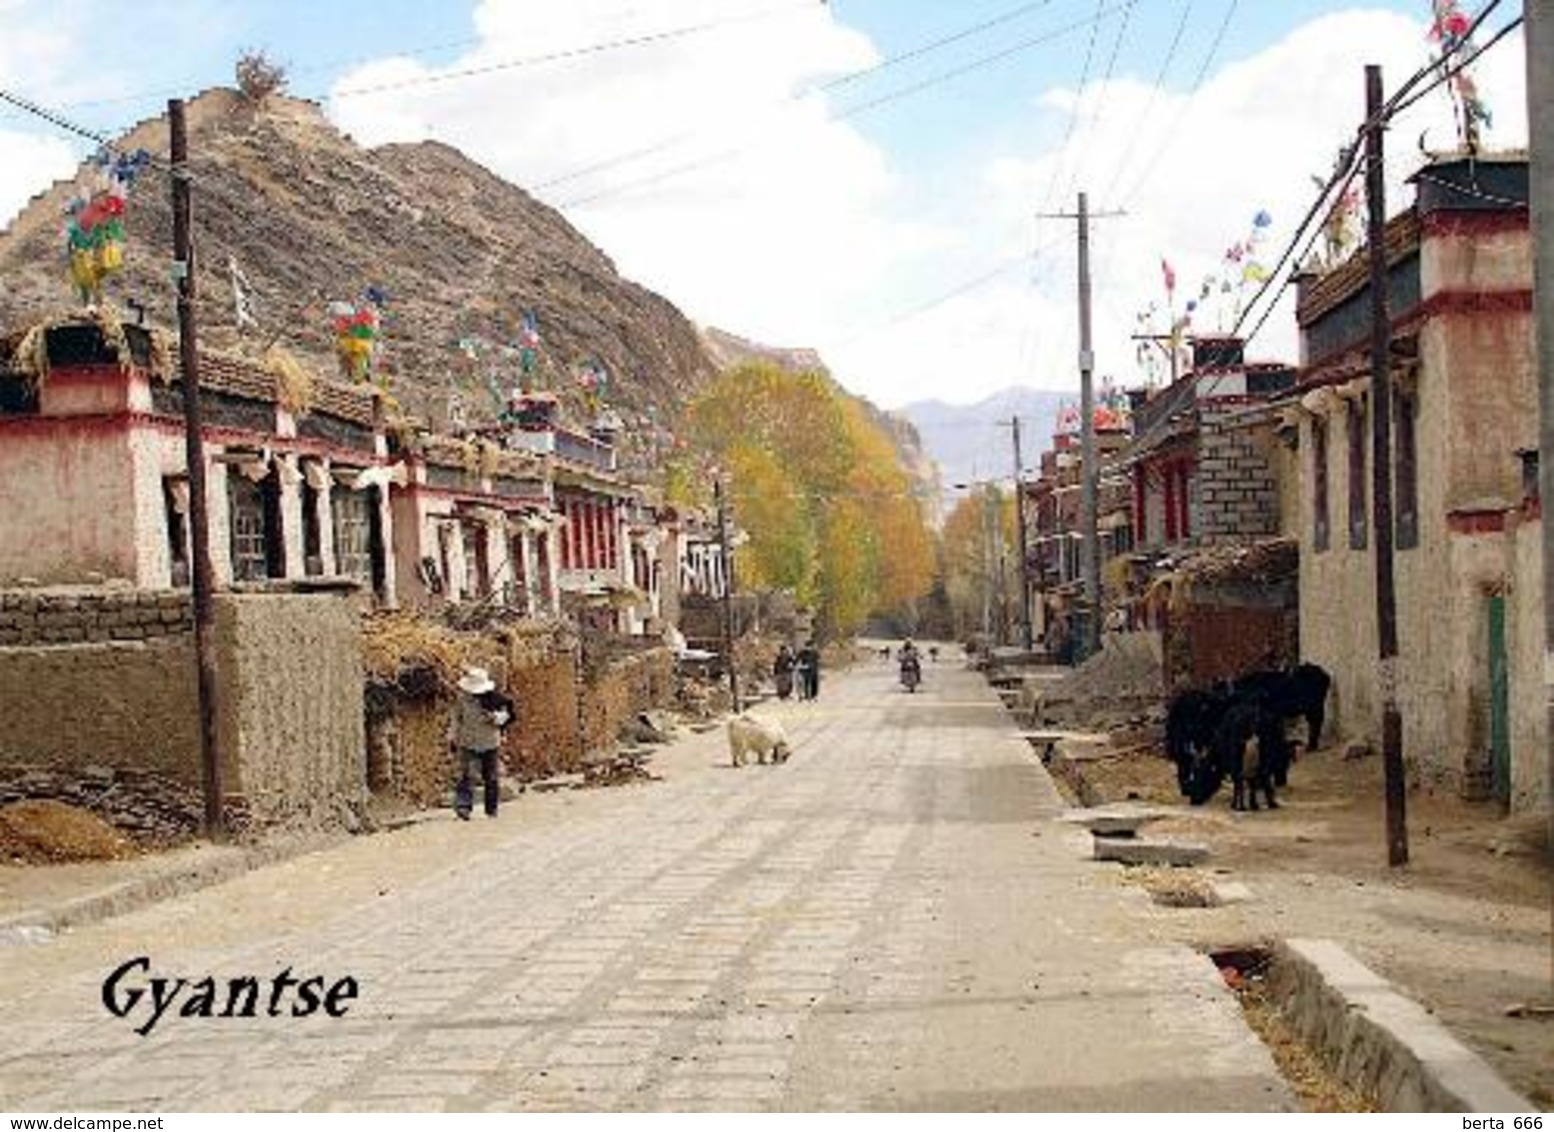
784	220
1252	138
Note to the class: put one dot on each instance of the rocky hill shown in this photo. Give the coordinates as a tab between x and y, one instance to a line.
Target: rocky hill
310	217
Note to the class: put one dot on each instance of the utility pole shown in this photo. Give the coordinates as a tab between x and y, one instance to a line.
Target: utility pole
726	552
1539	32
987	563
1089	548
1381	472
1025	566
201	576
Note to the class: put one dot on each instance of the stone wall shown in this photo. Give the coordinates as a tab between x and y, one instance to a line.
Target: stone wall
1233	494
66	616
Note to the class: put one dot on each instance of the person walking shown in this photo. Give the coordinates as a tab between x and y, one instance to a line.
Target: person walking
782	670
809	671
480	715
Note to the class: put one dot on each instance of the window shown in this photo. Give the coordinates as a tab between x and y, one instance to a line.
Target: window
1355	424
353	533
175	505
1319	513
477	566
1406	473
245	504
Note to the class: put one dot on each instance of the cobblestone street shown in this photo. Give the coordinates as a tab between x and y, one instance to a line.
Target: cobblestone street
891	920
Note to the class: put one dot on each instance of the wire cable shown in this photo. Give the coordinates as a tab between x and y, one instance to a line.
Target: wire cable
850	111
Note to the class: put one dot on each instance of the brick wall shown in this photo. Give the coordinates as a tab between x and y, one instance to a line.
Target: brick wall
1234	494
51	617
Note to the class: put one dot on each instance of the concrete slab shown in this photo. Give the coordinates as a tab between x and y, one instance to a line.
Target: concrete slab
1113	821
1177	854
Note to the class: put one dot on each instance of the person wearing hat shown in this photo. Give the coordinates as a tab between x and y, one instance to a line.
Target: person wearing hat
480	715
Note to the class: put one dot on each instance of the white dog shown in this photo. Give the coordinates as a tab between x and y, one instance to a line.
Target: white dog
747	735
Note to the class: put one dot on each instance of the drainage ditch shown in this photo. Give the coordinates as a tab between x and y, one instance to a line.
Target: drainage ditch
1316	1083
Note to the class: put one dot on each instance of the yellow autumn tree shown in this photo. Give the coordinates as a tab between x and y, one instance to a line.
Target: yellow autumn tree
819	489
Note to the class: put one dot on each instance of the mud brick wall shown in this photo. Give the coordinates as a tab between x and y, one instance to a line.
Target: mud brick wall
289	680
289	719
33	617
1234	493
544	740
118	704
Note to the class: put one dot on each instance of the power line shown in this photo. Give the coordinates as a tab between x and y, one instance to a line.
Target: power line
818	88
850	112
565	55
1154	94
1181	113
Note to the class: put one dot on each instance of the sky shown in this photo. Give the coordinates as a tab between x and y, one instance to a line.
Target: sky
871	178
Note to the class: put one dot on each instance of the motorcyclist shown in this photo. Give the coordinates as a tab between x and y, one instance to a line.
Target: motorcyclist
911	660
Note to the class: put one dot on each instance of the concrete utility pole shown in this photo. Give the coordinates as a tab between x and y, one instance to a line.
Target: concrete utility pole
1089	549
726	553
1025	566
201	576
1539	32
1381	471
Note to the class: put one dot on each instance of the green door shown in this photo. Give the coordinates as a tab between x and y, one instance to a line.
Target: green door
1499	703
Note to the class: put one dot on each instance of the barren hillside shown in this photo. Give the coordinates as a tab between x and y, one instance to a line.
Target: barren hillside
309	217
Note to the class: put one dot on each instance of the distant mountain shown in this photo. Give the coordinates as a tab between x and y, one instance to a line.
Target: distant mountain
972	441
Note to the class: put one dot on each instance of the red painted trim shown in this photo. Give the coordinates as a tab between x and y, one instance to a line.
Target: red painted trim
1475	302
421	489
98	423
1343	361
1475	522
1532	509
1449	222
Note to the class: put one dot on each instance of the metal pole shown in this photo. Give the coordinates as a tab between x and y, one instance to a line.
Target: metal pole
201	575
1089	548
1000	577
1381	473
1539	31
1025	565
727	555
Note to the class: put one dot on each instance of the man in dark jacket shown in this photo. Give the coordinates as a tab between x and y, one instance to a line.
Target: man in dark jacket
809	671
480	715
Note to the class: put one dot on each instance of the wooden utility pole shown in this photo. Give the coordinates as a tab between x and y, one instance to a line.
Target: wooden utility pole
1539	31
1381	472
202	577
726	552
1089	548
1025	566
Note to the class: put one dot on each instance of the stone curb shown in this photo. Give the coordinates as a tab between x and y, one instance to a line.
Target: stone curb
1382	1043
226	863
